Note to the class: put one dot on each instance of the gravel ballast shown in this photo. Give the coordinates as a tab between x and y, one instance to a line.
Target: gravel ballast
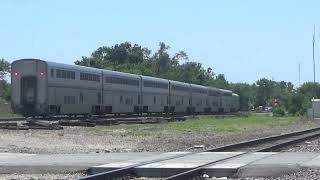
303	174
122	138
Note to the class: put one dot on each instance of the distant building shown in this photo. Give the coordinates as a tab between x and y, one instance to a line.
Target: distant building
314	111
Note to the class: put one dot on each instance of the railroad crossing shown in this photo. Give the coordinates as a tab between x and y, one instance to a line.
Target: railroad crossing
257	164
248	158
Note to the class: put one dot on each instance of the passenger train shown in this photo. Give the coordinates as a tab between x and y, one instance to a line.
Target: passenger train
42	88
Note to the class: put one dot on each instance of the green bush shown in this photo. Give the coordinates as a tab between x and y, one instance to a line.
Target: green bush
278	112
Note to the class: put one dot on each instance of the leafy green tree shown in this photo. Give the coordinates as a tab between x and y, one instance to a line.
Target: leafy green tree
162	60
220	82
4	68
116	57
247	94
4	86
264	91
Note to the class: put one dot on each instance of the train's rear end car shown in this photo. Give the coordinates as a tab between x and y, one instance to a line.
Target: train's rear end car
29	87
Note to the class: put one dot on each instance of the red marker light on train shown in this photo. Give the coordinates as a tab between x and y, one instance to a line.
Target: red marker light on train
41	73
16	74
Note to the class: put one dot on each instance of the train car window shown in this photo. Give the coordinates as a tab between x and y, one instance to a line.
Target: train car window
119	80
121	99
155	84
89	77
73	75
52	73
213	93
81	98
138	99
154	99
68	76
58	73
99	97
180	88
63	74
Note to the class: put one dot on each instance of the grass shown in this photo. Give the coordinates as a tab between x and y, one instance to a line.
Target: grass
5	114
207	124
5	110
228	124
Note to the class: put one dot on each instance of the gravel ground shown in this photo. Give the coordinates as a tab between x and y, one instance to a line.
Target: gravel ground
39	176
122	138
303	174
306	146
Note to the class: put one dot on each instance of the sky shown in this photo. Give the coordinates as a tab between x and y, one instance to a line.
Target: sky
245	40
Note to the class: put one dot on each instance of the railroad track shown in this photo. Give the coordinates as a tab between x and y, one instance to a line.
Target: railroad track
122	116
265	144
57	122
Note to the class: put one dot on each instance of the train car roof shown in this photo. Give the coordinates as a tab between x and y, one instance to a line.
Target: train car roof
234	94
198	86
179	83
213	88
74	67
154	79
62	66
122	74
225	90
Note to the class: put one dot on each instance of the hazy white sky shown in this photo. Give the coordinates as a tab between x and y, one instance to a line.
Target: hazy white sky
245	40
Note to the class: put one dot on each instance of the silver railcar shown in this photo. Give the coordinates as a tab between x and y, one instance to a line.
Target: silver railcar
235	104
47	88
225	101
214	99
155	94
29	84
122	92
180	97
199	98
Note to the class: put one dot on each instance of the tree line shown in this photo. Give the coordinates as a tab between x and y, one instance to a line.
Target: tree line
133	58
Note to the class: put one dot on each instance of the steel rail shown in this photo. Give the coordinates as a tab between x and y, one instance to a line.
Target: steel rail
114	174
199	170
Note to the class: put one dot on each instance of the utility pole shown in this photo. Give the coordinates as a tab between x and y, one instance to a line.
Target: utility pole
314	62
314	70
